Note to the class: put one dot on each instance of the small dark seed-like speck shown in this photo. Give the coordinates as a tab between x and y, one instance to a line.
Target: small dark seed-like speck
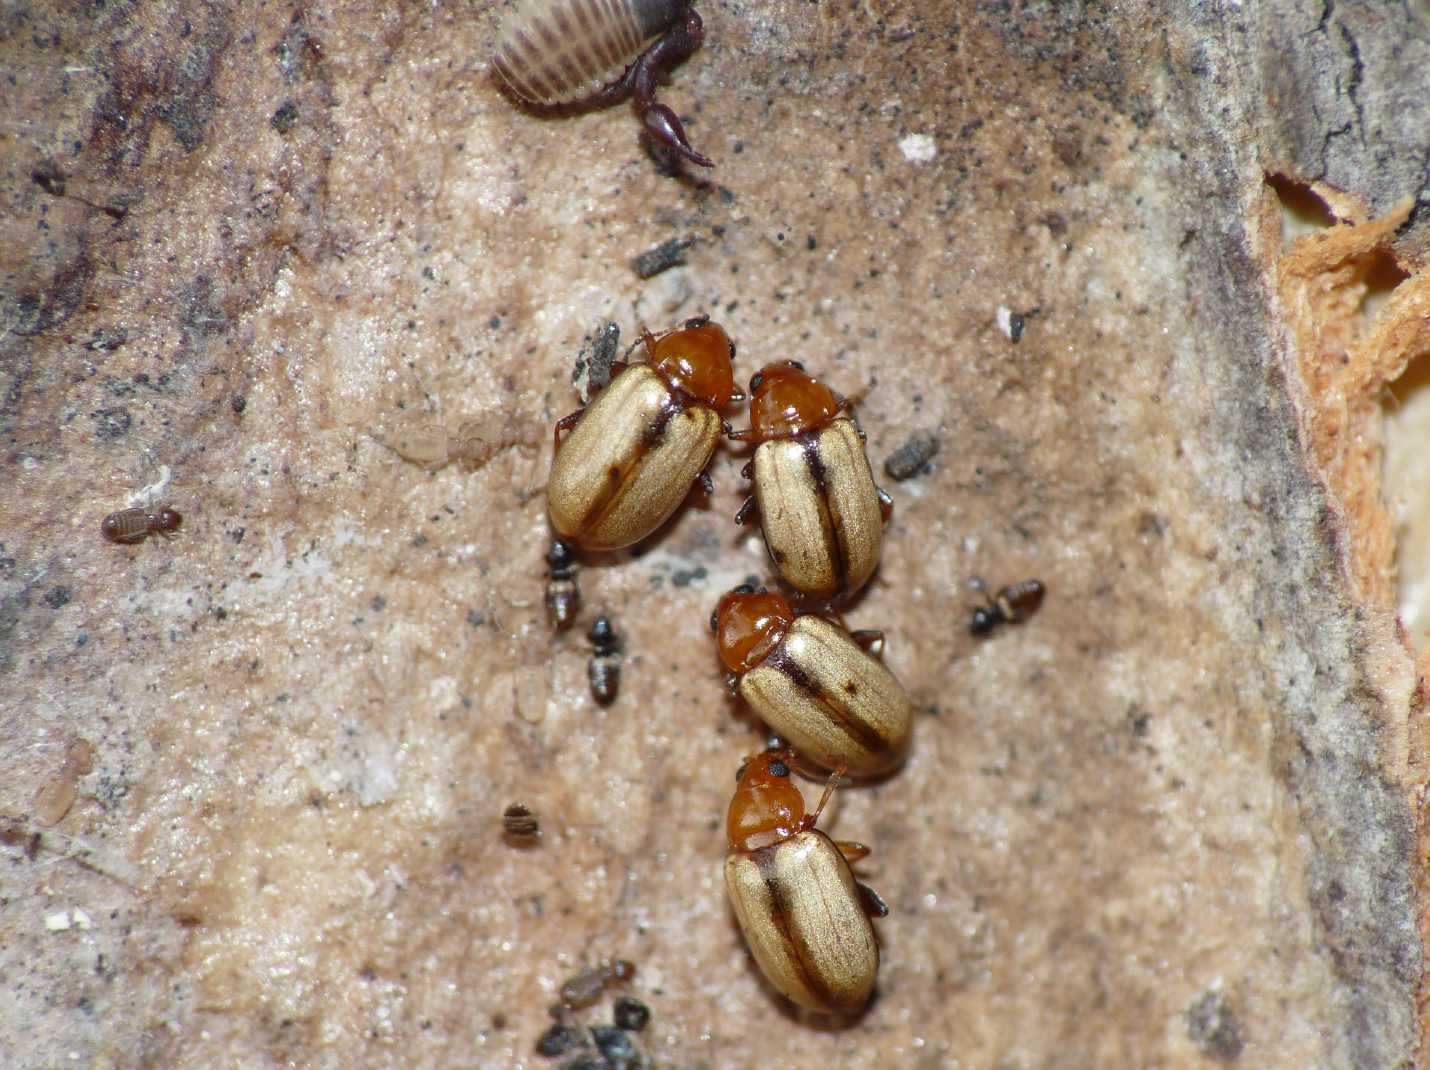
631	1013
557	1040
56	597
615	1045
909	459
661	257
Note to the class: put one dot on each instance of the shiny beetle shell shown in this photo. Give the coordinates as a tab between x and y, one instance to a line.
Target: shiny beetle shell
819	508
562	51
802	915
832	702
629	463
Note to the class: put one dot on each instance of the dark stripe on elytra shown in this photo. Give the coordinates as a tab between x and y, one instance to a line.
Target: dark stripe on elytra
618	481
854	728
780	907
833	544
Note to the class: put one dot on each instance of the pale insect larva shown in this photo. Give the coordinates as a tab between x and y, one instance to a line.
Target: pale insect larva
574	55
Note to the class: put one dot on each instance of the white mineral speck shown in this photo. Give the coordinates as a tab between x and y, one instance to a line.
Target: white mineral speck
918	148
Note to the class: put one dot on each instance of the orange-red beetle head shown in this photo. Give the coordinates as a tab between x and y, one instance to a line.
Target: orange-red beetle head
748	625
697	359
767	807
786	400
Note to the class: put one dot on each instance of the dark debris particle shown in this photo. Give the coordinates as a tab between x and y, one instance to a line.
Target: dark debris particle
56	597
476	618
107	338
50	179
686	577
586	1062
238	404
616	1047
592	370
909	459
1213	1028
631	1013
660	258
112	423
378	603
557	1040
284	118
1015	326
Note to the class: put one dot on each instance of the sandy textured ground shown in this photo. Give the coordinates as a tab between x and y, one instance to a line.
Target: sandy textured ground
246	249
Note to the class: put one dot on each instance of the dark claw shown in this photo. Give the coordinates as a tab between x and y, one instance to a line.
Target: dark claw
665	127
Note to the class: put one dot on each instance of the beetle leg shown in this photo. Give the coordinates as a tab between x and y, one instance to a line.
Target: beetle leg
732	683
747	510
749	470
742	435
852	850
886	504
872	901
870	640
834	779
706	483
566	423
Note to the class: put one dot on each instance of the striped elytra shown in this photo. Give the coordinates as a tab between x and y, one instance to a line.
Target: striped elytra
804	916
555	52
814	683
634	452
820	511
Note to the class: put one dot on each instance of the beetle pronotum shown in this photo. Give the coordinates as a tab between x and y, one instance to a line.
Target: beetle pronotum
804	916
569	55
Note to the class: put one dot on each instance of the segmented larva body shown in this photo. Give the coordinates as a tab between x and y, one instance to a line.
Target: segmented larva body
555	52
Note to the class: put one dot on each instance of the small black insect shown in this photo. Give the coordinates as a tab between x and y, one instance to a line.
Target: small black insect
563	596
1012	604
603	672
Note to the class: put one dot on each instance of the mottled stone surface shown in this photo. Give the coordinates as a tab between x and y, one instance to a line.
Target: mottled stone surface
304	274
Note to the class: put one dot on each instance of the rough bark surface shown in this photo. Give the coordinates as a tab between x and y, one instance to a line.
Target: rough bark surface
277	265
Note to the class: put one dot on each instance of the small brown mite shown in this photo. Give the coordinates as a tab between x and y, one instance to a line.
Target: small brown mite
603	672
1012	604
135	525
520	824
558	56
563	595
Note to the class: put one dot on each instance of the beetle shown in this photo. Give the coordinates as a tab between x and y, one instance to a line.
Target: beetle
822	688
560	56
130	526
822	514
634	452
603	671
1011	604
805	918
563	594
